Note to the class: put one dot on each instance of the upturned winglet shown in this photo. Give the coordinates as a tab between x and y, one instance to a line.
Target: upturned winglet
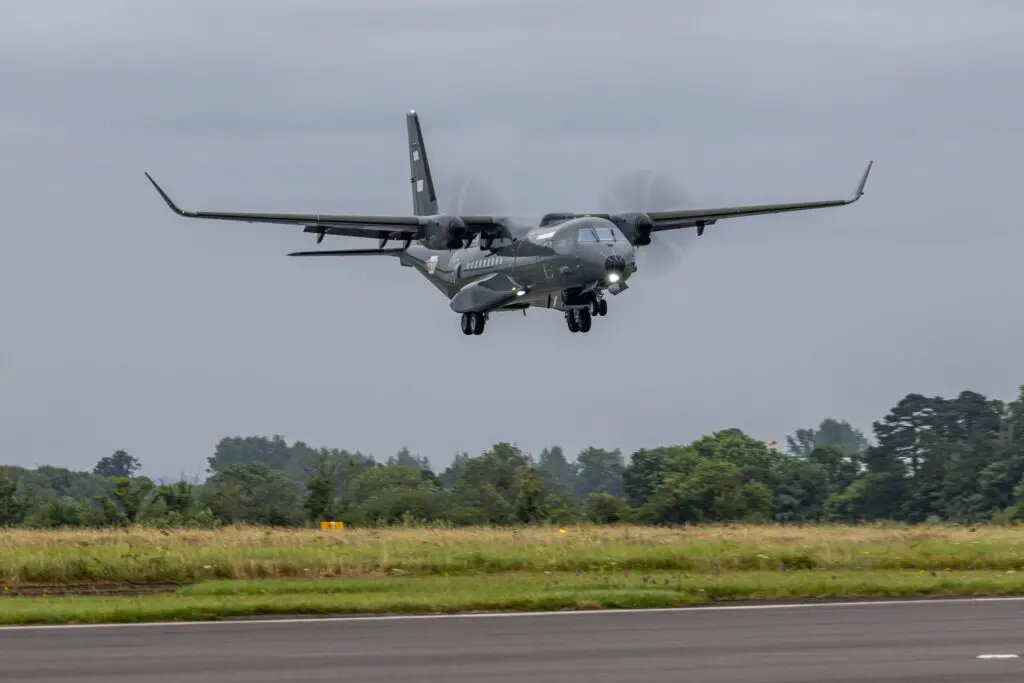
863	181
166	198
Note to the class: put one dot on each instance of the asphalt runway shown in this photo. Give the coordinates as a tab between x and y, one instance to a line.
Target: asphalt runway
881	641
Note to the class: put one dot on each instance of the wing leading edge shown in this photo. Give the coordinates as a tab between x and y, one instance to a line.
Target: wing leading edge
409	227
380	227
666	220
347	225
688	218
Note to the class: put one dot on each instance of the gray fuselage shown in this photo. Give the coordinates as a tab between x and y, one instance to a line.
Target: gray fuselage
552	263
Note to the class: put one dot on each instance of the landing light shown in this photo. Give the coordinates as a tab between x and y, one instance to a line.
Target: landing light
521	292
613	277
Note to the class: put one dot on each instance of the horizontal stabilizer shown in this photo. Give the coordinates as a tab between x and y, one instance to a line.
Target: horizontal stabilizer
350	252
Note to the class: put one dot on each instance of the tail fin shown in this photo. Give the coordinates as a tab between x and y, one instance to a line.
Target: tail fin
424	198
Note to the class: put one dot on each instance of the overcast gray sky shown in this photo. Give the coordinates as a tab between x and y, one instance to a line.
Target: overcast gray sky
126	327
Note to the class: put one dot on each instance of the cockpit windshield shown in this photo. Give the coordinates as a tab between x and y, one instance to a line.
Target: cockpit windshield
562	239
601	234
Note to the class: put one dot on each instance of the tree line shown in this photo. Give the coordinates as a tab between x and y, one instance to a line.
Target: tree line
957	459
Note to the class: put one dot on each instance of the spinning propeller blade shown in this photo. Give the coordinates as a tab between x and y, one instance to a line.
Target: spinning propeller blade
646	190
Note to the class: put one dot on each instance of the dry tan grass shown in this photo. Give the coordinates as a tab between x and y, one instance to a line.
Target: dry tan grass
148	555
481	537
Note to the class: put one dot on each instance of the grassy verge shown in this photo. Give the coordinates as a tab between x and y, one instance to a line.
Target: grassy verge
149	556
518	592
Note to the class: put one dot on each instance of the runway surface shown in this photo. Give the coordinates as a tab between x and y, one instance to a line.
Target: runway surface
924	641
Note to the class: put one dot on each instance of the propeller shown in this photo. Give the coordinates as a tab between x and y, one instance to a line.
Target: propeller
462	194
646	190
640	190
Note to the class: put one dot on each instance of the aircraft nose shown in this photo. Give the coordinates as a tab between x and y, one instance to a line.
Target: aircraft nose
617	267
610	263
615	263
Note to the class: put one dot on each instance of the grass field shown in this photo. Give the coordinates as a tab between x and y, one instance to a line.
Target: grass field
144	556
491	592
249	571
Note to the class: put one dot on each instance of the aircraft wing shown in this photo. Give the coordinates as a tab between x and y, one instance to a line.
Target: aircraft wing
687	218
349	225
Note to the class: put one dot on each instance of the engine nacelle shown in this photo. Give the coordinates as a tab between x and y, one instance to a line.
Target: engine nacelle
444	232
636	227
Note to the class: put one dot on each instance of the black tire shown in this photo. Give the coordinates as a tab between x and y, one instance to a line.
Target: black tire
602	307
479	321
466	327
585	320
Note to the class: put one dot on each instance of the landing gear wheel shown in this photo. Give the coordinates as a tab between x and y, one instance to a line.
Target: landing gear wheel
602	307
473	323
585	319
572	321
595	307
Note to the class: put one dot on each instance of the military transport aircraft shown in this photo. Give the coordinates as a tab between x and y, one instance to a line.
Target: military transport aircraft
487	263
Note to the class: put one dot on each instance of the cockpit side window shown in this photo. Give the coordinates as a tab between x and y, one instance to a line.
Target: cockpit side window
588	235
605	234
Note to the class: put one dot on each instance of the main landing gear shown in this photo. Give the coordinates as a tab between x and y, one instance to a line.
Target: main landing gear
473	323
578	319
581	319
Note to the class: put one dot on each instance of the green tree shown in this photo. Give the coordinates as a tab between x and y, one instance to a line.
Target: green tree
604	508
56	513
805	483
394	493
178	498
649	468
831	433
130	496
598	471
320	498
178	505
118	464
14	503
405	459
253	493
555	469
530	496
712	493
488	483
453	472
754	458
273	452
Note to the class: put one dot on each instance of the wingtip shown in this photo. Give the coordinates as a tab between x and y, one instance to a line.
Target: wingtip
863	182
163	195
